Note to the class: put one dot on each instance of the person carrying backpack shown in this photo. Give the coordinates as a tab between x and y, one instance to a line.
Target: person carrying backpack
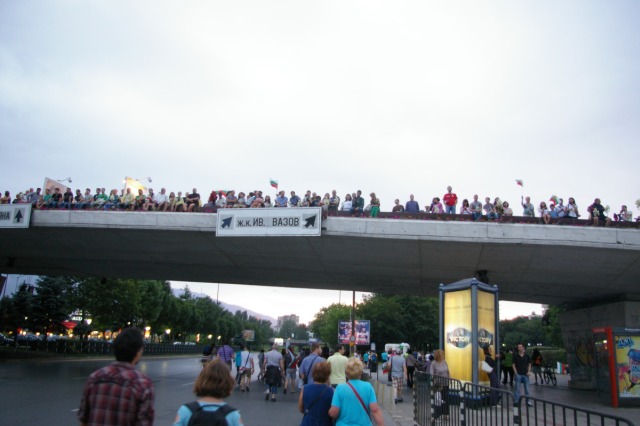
207	355
211	387
291	364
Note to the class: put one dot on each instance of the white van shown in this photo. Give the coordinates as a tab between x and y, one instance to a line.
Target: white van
402	348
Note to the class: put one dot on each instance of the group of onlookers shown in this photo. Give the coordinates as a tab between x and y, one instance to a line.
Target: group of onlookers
353	203
498	209
100	200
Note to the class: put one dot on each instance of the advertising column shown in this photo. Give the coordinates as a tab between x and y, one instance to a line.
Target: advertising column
468	323
457	330
486	329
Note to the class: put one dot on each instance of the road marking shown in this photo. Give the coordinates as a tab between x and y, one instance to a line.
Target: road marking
75	409
188	384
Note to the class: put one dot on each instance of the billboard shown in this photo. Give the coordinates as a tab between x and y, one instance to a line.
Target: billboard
457	332
248	335
627	353
362	332
486	328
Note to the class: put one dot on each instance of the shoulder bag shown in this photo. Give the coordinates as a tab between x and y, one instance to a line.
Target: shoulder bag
359	399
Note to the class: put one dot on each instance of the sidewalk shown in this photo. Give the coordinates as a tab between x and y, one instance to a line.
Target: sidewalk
402	414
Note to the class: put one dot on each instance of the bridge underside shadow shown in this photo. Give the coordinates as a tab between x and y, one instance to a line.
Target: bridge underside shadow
362	258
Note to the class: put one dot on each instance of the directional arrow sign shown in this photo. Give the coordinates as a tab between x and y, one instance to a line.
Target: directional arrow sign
298	221
15	215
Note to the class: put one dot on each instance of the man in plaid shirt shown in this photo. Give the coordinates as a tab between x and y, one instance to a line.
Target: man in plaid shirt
119	395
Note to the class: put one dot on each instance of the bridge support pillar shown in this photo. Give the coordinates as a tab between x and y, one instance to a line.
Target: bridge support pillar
577	332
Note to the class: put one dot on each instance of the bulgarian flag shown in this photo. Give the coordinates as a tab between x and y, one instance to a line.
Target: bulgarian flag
519	182
274	183
554	199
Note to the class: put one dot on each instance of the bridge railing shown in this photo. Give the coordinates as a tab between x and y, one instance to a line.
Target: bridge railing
438	400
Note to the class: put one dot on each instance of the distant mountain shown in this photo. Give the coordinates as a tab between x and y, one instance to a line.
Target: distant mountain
231	308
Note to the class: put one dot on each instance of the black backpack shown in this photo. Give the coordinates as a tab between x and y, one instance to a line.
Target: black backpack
208	350
200	417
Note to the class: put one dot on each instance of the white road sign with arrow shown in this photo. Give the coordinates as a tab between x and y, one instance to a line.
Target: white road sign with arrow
297	221
15	215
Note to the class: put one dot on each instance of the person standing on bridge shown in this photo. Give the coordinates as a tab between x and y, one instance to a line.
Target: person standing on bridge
412	205
450	201
528	208
119	394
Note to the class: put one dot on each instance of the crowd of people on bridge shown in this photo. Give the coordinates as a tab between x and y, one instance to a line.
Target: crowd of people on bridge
353	204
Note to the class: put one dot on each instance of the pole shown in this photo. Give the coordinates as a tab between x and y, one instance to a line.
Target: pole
353	323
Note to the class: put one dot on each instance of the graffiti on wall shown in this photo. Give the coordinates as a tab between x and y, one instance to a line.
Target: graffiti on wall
580	354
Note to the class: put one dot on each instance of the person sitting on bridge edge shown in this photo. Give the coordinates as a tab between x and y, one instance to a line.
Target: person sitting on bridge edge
358	204
334	202
118	393
597	213
624	215
193	201
281	200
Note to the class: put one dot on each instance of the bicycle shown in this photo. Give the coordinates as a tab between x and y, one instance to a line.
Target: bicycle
549	375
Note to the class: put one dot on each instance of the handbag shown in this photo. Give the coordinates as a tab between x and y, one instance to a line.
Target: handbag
486	367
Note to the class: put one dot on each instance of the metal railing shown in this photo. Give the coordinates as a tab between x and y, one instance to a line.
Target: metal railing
442	401
65	348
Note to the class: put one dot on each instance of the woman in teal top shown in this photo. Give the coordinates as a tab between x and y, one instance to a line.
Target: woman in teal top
347	408
212	385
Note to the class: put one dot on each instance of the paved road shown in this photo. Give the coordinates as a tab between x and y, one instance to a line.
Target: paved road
48	392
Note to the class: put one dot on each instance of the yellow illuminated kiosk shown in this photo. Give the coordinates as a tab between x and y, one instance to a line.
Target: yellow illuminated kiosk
468	323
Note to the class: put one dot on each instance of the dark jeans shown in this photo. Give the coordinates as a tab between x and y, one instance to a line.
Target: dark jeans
507	373
410	371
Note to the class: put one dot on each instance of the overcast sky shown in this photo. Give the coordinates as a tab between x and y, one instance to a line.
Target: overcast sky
391	97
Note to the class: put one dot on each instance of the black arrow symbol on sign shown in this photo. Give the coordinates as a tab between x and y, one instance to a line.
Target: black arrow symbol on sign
226	222
18	216
311	222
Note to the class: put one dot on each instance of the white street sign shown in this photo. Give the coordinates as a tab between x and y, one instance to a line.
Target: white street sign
269	222
15	215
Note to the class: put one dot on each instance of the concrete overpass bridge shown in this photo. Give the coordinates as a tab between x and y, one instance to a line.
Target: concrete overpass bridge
545	264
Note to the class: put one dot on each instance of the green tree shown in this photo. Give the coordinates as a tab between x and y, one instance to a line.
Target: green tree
51	303
325	323
551	324
287	329
525	330
22	308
